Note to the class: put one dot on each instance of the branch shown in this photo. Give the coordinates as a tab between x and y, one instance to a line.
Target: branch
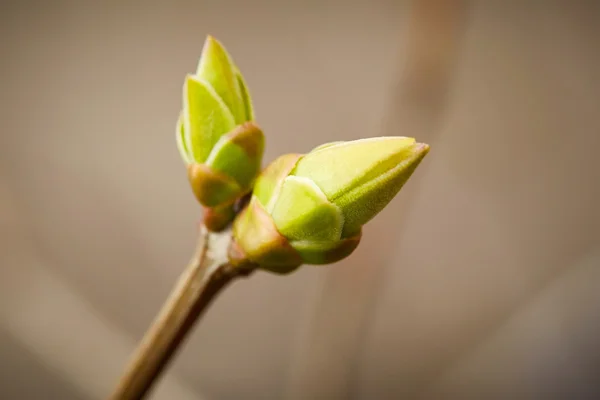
207	273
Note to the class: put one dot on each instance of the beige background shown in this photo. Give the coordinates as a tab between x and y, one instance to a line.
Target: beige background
488	279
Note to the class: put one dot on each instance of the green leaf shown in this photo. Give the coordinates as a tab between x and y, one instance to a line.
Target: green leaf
248	107
302	212
323	146
364	202
181	141
205	117
339	168
238	154
318	253
217	68
212	188
257	237
268	184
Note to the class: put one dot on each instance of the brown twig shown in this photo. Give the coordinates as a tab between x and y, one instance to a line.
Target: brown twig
206	275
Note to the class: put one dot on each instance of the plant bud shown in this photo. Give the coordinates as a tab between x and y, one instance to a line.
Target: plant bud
310	209
216	136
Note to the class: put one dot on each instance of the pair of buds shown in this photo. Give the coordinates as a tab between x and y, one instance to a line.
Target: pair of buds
304	208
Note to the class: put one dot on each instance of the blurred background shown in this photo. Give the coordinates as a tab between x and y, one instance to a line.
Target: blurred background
480	280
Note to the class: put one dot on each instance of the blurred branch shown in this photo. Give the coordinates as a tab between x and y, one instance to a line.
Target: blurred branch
205	276
435	31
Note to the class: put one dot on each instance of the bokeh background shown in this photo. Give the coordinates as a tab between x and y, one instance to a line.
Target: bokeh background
480	280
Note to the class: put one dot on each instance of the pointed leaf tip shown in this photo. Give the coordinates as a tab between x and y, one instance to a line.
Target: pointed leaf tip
364	202
217	68
340	167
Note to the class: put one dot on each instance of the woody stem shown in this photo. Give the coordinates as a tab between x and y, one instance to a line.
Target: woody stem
206	275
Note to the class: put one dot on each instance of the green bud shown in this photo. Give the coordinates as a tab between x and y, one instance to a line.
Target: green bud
216	136
216	67
310	209
361	177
